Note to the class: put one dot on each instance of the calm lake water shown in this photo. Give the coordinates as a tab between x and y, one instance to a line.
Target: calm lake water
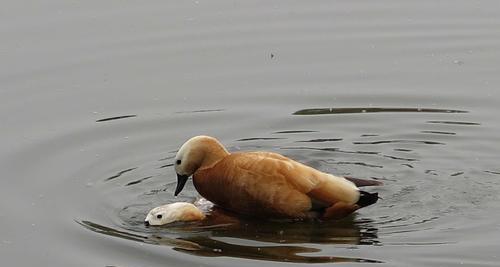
97	96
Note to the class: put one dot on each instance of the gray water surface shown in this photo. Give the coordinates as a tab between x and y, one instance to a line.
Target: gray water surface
97	96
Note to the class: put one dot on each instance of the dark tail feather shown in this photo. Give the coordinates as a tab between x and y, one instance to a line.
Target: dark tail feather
366	199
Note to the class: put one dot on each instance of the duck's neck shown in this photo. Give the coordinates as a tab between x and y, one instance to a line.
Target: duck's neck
214	152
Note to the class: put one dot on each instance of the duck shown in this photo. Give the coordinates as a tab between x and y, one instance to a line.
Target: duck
201	212
174	212
267	184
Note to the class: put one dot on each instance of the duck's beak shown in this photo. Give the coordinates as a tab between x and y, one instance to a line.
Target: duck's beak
181	181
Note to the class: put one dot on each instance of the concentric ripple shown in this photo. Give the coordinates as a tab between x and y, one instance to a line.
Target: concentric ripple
417	195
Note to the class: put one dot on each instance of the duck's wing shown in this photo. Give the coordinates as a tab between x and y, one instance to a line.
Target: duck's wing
340	196
319	186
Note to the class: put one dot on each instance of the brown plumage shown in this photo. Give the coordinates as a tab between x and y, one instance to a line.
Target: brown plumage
266	184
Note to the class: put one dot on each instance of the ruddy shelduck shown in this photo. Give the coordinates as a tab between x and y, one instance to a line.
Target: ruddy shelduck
178	211
266	184
201	210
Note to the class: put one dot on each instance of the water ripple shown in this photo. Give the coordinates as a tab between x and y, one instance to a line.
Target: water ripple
321	140
322	111
455	122
116	118
398	141
120	173
138	181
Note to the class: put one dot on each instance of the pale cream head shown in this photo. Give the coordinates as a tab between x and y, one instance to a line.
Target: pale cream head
178	211
197	152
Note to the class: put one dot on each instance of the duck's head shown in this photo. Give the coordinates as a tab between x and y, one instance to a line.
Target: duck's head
196	153
178	211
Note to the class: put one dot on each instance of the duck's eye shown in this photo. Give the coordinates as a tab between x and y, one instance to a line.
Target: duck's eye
159	216
178	162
